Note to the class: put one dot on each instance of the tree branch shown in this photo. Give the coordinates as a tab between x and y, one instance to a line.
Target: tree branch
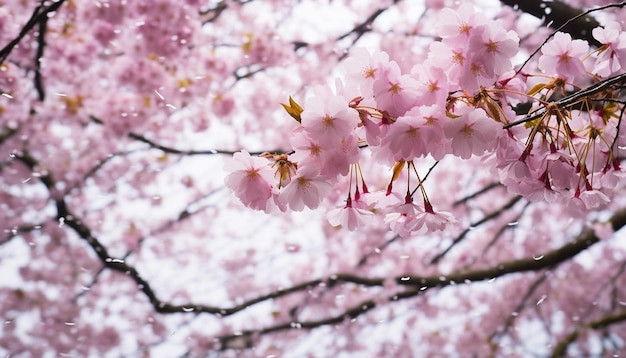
39	15
557	15
16	231
561	349
171	150
167	149
490	216
502	329
41	44
485	189
362	28
211	14
419	284
185	214
413	285
571	99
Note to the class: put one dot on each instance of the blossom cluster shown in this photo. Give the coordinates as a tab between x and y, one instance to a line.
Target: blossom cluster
463	100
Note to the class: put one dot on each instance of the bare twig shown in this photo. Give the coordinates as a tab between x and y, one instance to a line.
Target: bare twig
461	236
573	98
614	318
171	150
40	14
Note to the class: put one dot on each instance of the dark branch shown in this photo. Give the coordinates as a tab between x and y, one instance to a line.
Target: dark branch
483	190
66	218
242	73
511	224
561	349
171	150
164	148
245	339
18	230
41	44
7	133
556	14
40	14
502	329
574	97
376	250
363	28
211	14
191	209
490	216
551	258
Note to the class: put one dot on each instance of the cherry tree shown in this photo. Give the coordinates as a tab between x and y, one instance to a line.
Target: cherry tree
282	178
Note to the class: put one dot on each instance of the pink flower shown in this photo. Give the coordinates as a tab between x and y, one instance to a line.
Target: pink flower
450	59
306	189
612	58
562	171
513	86
416	134
405	139
432	84
474	75
340	157
307	150
370	127
348	216
562	57
539	190
363	68
514	171
514	162
434	221
456	26
250	179
435	4
331	160
393	92
494	48
432	129
328	119
472	133
613	176
403	218
593	199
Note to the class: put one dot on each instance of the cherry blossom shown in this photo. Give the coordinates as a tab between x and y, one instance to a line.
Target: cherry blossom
494	48
365	67
593	199
403	220
612	56
307	188
563	56
250	178
405	138
434	221
394	92
432	84
459	24
350	216
471	133
328	118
